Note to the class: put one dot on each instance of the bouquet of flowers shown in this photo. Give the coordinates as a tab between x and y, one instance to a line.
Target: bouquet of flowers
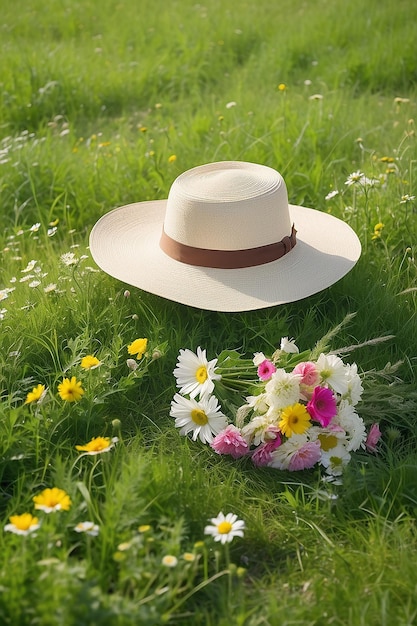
294	410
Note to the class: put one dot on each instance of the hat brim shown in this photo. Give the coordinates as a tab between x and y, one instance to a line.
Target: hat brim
125	244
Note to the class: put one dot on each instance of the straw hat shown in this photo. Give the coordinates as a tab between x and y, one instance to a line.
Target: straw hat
226	239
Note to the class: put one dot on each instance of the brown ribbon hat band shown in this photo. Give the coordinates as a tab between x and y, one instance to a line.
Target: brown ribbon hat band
227	259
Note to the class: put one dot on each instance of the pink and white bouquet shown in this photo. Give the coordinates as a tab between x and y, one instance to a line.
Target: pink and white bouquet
292	411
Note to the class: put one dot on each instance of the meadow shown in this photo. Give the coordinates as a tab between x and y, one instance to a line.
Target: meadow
106	103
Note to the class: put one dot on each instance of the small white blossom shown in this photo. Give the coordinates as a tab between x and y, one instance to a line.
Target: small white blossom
29	267
282	389
331	194
89	528
68	259
288	345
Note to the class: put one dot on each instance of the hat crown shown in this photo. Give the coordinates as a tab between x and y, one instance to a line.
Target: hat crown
230	205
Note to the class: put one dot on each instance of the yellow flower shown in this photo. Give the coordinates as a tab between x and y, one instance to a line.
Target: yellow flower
144	528
172	158
70	390
51	500
36	395
90	362
138	347
282	87
377	231
22	524
97	445
294	420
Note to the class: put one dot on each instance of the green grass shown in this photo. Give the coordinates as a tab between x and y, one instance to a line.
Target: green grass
95	97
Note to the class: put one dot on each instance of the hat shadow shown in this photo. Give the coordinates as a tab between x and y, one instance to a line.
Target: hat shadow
301	273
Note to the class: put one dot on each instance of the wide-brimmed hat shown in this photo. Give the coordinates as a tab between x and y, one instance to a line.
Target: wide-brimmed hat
226	239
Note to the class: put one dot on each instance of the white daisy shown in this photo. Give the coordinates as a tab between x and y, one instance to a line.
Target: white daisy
354	178
194	373
331	194
29	266
281	457
68	259
202	418
4	293
332	372
254	432
26	278
89	528
224	528
258	403
282	389
169	560
50	288
335	459
354	425
354	384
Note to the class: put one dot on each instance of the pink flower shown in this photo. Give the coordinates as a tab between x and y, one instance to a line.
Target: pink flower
266	369
230	441
305	457
322	406
374	436
262	454
308	372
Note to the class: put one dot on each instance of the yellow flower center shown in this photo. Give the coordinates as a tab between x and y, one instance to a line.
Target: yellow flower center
335	461
199	417
201	374
327	442
224	527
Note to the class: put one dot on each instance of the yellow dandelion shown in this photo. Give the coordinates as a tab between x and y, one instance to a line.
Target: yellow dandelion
295	420
36	395
172	158
97	445
51	500
282	87
90	362
70	390
138	347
